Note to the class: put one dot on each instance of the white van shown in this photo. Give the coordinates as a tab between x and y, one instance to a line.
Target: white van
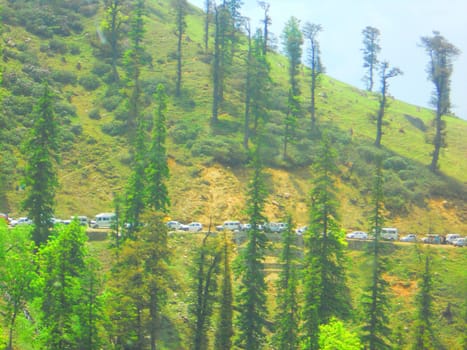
104	220
390	233
230	226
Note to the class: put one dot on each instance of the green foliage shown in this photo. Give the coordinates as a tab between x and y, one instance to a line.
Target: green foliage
334	335
41	173
221	149
90	82
64	77
95	114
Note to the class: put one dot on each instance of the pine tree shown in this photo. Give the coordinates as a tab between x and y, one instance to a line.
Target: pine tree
157	169
376	298
386	74
224	330
424	336
267	21
287	318
206	268
325	280
311	32
249	268
17	275
441	53
41	173
181	7
62	267
207	22
293	40
370	50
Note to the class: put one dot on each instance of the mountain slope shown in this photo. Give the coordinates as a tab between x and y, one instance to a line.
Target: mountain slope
208	173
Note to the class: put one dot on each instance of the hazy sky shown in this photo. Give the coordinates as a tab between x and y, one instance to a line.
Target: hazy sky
401	23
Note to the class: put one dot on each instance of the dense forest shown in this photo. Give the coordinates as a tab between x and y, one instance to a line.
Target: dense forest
157	110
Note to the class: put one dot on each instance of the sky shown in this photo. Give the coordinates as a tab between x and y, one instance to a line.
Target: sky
401	23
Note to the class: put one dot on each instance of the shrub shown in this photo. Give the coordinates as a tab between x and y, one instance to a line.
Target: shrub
76	129
74	49
95	114
58	46
114	128
38	74
65	109
101	68
222	150
111	103
395	163
89	82
64	77
185	133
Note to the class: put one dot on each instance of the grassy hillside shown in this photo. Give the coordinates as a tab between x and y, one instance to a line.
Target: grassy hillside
207	162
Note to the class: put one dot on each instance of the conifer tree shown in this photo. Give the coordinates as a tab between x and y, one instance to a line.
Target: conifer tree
370	50
135	196
441	54
424	336
206	264
41	173
376	298
224	330
249	269
114	19
62	267
293	41
386	74
267	21
287	317
181	9
157	169
207	22
17	275
324	279
311	32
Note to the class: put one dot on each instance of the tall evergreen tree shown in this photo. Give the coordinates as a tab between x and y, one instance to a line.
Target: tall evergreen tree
62	267
135	195
424	336
292	40
325	280
441	54
206	266
311	32
251	296
41	174
207	22
157	169
376	298
224	330
287	317
370	50
181	7
267	21
17	275
257	86
114	19
386	74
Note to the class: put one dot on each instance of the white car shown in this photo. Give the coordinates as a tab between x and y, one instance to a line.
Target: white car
357	235
230	226
174	225
409	238
195	227
460	242
451	237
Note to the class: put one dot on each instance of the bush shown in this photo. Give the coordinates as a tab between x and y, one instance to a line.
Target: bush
185	133
74	49
222	150
101	68
395	163
111	103
95	114
64	77
38	74
65	109
90	82
58	46
114	128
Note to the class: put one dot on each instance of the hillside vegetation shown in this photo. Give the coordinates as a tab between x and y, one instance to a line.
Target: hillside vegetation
208	162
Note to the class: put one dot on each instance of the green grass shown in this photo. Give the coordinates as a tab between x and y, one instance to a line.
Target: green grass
96	166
